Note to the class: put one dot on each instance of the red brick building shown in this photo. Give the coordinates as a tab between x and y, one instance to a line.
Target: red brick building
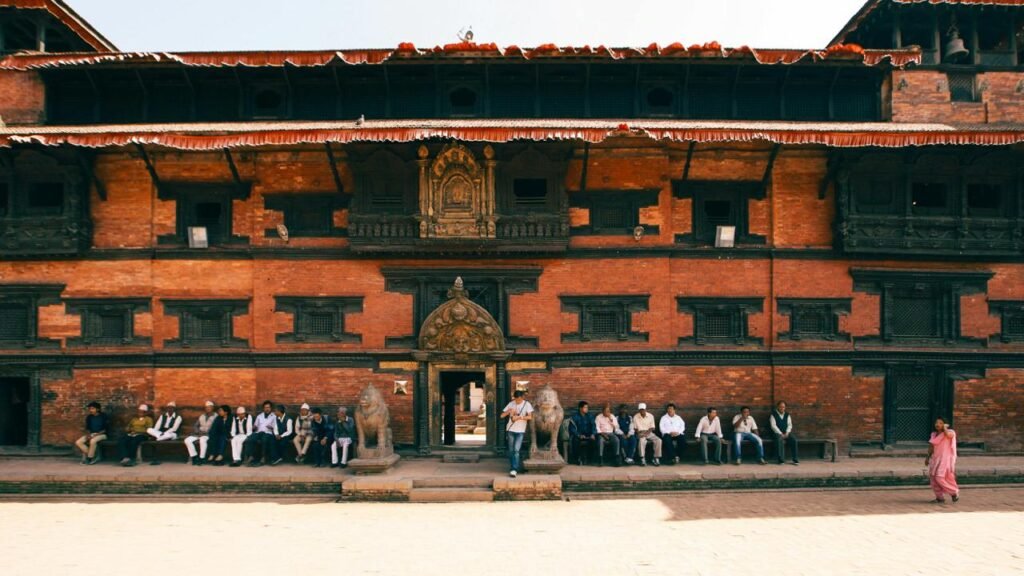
873	192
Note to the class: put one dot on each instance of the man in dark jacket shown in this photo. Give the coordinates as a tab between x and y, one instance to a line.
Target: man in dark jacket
323	434
344	437
582	432
284	430
219	436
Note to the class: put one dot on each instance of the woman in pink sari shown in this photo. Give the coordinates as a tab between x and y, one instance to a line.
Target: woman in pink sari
941	462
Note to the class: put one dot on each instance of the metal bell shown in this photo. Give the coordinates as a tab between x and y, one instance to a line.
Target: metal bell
955	49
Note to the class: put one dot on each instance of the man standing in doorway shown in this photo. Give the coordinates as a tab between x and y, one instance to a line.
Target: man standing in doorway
782	428
518	412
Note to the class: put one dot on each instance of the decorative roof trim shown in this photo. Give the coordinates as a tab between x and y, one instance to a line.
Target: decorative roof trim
871	5
710	51
219	136
62	12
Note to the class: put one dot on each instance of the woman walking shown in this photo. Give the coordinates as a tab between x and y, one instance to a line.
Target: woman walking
941	462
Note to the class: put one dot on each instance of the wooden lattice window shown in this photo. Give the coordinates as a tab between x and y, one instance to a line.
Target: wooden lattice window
14	322
1011	315
605	318
308	215
203	205
319	319
813	318
719	203
107	321
719	321
19	314
613	212
963	87
206	323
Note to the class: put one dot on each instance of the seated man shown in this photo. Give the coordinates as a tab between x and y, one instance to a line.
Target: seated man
166	428
782	428
241	429
302	435
262	436
201	434
284	429
323	435
96	423
582	432
344	436
709	430
608	432
643	425
135	435
673	431
218	435
744	427
627	436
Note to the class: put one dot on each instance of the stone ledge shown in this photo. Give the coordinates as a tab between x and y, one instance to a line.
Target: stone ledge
376	489
528	487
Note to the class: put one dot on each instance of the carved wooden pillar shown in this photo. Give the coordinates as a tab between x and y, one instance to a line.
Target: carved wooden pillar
487	207
426	212
501	397
421	406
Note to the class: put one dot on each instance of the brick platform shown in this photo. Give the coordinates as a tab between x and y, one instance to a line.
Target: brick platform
42	476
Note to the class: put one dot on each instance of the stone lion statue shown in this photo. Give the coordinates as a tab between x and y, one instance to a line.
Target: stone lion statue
373	421
547	420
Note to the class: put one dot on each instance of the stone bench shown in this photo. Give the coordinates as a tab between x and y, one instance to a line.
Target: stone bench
167	450
825	446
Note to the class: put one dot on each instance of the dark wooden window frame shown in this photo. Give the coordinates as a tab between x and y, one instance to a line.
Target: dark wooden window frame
93	309
948	287
739	310
738	192
1009	312
826	311
30	297
623	306
630	201
189	312
303	307
290	203
187	195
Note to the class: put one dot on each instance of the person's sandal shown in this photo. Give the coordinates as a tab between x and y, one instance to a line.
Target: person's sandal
956	498
939	501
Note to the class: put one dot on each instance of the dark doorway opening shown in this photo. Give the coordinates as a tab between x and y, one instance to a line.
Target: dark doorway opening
461	406
915	397
14	402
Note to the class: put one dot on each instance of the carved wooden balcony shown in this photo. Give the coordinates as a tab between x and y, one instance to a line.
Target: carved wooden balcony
864	234
44	236
513	233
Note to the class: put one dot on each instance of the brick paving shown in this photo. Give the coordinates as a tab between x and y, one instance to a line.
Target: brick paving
891	531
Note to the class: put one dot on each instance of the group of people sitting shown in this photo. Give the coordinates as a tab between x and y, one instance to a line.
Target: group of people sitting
252	440
626	437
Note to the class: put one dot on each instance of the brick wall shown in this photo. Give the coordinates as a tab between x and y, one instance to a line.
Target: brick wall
923	96
22	97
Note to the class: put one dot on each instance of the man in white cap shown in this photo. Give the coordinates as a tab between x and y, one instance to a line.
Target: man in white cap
135	435
241	429
201	434
643	424
303	424
166	427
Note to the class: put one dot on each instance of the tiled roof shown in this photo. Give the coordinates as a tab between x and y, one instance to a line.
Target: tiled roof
871	5
68	17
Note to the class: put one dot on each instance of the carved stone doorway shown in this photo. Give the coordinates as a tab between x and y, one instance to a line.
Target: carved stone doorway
459	342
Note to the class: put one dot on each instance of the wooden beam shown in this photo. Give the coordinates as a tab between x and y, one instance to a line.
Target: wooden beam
149	167
334	168
689	160
87	161
768	169
830	175
583	171
233	168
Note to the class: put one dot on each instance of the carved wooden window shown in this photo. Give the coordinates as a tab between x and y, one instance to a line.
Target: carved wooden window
268	101
205	323
19	314
929	198
385	184
719	321
919	306
107	321
605	318
45	198
963	87
1011	319
307	215
319	319
813	318
613	212
719	203
659	100
205	205
532	182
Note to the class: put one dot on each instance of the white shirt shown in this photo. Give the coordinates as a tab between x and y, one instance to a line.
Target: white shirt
741	424
607	424
519	410
670	424
266	423
706	426
643	424
775	428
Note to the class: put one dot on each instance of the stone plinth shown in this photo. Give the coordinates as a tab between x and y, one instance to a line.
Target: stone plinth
552	465
528	487
379	489
362	466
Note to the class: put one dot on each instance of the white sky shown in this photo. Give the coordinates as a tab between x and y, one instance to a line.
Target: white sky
326	24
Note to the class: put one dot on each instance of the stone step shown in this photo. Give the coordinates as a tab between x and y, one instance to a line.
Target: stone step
454	482
450	495
461	458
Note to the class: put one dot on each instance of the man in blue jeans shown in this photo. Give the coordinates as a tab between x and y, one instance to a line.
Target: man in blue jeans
518	412
745	428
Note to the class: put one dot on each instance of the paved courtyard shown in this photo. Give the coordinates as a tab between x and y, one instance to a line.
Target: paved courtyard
892	531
